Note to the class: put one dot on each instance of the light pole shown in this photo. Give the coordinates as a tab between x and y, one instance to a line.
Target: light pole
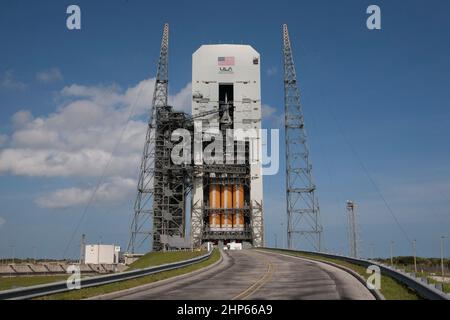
34	254
82	248
372	249
415	255
392	253
442	257
276	242
98	250
12	253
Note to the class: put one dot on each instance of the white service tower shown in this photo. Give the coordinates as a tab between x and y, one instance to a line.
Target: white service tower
227	201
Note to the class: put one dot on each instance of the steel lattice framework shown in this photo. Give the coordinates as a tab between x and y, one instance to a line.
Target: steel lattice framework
163	186
301	200
145	222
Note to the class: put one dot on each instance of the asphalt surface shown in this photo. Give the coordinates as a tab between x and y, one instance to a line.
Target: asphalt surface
256	275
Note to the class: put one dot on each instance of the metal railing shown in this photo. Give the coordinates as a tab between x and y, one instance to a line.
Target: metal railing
422	288
61	286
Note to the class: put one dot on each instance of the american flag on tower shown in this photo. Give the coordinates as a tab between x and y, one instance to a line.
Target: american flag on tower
225	61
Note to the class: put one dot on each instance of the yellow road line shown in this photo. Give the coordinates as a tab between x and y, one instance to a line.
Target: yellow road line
258	284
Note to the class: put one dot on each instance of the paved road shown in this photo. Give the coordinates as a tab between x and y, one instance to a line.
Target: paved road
251	274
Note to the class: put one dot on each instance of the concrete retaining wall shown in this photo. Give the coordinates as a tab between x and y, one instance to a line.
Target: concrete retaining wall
55	268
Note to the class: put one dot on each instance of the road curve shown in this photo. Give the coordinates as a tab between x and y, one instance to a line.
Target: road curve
258	275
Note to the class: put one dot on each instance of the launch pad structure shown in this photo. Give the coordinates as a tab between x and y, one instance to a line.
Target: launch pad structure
222	177
223	173
226	84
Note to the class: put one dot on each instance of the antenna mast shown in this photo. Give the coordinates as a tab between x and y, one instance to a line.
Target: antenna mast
301	200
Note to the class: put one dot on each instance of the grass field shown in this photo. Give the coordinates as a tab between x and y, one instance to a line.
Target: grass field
445	286
428	275
423	264
150	259
157	258
147	261
7	283
390	288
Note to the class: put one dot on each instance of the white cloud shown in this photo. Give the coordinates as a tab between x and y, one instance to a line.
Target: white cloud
50	75
182	100
8	82
116	189
3	139
2	221
79	138
100	95
271	117
85	162
140	96
86	133
21	118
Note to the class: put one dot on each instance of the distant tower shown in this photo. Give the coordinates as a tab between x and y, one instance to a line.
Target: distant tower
353	233
82	248
301	200
147	224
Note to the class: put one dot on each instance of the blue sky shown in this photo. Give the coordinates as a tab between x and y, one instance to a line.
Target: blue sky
377	99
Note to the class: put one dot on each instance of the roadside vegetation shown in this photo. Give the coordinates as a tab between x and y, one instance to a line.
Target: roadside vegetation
421	262
127	284
13	282
391	289
445	286
429	268
148	260
152	259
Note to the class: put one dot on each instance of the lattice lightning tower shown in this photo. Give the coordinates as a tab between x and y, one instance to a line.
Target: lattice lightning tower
301	200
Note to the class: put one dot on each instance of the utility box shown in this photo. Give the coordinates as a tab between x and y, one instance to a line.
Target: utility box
101	254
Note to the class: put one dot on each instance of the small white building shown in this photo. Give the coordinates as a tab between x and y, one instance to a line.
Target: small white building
101	254
234	246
